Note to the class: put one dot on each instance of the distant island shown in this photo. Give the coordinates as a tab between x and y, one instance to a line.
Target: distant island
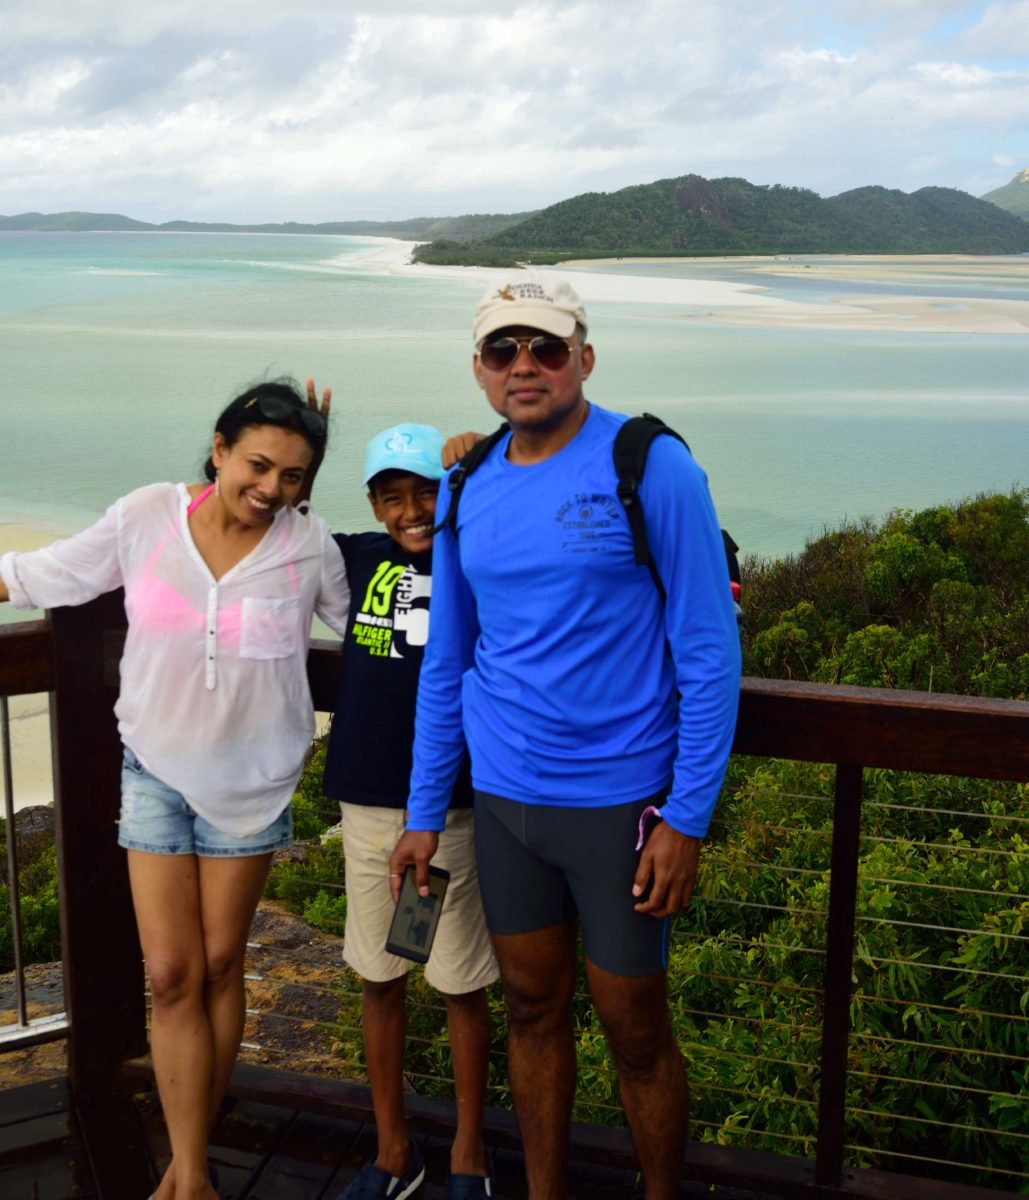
685	216
414	229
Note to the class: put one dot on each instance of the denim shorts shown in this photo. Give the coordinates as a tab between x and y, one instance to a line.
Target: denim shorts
157	820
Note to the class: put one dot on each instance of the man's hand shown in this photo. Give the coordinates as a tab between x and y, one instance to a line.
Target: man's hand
456	447
415	848
669	861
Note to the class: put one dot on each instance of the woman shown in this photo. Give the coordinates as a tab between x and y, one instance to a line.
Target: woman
220	581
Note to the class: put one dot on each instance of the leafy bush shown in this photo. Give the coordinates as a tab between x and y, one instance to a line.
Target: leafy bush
40	911
932	601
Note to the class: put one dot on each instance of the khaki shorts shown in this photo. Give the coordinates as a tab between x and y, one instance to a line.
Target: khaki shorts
462	956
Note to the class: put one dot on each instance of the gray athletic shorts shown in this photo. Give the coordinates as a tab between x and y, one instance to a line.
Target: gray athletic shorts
544	864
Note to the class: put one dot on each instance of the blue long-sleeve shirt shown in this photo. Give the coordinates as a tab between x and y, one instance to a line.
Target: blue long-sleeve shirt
574	684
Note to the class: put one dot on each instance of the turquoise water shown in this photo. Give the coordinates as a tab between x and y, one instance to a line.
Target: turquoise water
118	350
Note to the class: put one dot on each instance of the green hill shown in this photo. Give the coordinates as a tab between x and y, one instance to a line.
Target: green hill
71	222
1013	196
696	216
457	229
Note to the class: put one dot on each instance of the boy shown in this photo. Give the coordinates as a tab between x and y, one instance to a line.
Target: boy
367	770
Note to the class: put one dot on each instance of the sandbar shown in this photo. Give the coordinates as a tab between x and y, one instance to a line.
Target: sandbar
720	301
31	768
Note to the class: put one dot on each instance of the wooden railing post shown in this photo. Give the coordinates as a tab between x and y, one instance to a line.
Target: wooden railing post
103	971
839	935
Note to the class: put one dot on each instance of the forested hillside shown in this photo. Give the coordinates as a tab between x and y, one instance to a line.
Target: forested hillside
1013	196
696	216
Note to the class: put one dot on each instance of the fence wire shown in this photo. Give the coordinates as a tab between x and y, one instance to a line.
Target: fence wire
939	1049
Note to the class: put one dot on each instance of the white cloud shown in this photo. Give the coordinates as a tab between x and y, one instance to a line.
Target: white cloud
332	110
1003	31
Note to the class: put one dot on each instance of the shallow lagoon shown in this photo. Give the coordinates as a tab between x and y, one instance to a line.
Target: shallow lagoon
119	349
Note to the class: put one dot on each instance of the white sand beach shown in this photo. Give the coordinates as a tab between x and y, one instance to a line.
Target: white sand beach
736	304
31	771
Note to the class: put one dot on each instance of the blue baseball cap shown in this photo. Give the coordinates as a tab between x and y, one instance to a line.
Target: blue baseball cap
417	449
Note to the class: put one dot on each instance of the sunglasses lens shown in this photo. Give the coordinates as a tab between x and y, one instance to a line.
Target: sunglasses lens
314	422
550	352
499	353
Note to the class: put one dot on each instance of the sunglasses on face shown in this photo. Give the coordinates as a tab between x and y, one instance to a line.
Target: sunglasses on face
550	352
274	409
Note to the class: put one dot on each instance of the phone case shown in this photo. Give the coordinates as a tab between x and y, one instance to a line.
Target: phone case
413	928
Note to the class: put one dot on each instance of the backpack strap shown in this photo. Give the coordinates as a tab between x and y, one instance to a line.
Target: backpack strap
467	466
632	444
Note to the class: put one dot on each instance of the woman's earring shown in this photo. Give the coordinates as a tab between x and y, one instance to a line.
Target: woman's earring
217	483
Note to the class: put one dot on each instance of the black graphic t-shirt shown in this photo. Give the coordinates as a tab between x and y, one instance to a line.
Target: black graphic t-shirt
369	757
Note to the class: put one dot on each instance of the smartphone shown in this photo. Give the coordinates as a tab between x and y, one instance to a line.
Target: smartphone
415	918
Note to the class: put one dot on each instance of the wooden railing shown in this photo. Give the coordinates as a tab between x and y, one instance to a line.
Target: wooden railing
74	656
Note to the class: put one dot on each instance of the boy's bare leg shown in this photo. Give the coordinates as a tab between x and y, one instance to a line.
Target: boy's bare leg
538	973
651	1075
384	1024
468	1027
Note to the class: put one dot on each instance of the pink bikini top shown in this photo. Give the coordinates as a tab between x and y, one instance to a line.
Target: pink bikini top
199	500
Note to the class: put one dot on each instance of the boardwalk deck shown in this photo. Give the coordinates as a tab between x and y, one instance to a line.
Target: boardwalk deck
261	1151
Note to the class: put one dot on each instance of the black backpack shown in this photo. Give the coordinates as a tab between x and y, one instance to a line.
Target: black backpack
632	444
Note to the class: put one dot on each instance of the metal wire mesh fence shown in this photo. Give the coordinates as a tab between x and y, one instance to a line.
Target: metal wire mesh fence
938	1070
29	925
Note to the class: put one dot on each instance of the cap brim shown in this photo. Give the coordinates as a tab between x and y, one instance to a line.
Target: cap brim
401	462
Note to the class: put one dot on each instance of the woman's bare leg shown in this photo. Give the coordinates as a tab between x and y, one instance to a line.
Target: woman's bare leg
230	889
166	897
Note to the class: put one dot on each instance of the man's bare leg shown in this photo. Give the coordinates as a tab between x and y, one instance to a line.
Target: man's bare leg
538	973
651	1076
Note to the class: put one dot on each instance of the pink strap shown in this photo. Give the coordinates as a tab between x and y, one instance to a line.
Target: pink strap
200	499
649	811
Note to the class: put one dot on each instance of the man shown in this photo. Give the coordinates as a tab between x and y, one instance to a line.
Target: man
586	702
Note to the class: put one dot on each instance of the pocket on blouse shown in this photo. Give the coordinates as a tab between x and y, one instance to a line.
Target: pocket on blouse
270	628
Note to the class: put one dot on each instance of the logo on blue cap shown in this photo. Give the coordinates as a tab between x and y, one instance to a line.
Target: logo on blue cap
417	449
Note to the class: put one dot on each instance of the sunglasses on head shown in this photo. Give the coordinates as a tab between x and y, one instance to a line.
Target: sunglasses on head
281	411
550	352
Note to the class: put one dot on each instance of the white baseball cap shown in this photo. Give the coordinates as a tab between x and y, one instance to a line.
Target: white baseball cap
533	298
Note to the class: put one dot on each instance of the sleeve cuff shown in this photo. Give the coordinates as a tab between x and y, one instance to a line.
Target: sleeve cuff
16	593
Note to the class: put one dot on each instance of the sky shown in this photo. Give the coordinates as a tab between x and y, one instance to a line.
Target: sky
324	110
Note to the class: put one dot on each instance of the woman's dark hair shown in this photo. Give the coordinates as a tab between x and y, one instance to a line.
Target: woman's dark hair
280	403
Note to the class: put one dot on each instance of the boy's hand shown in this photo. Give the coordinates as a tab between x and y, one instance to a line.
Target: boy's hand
323	407
415	849
312	399
456	447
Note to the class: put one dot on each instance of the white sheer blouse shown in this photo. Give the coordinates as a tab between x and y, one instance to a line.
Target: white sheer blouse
214	698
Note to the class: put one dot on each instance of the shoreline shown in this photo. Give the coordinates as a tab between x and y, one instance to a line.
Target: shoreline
718	301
